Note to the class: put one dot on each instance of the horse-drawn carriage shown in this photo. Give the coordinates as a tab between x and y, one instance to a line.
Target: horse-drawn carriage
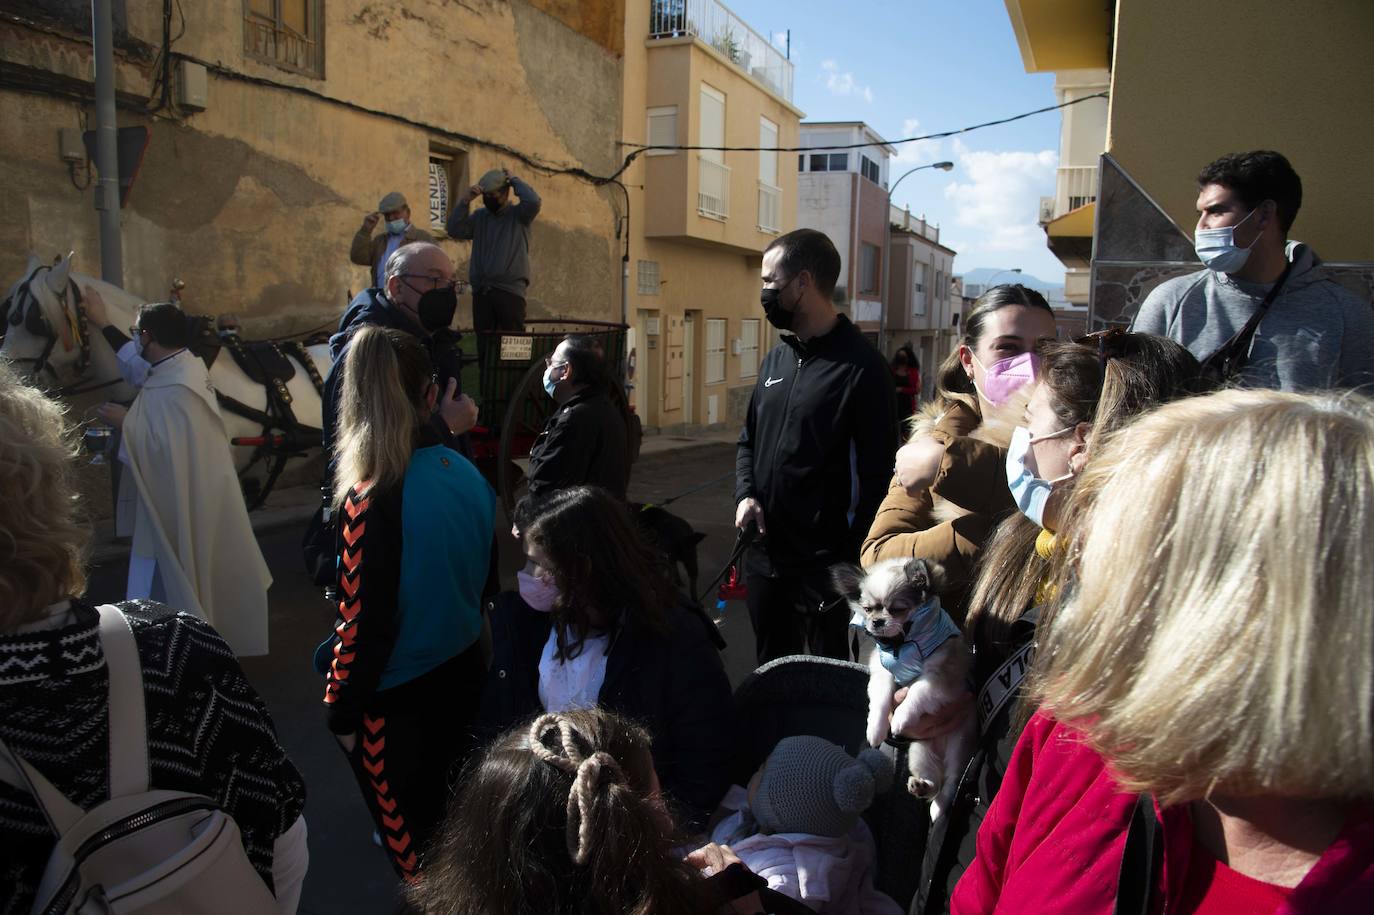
269	390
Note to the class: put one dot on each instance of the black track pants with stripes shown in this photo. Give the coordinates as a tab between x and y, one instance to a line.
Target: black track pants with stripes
410	738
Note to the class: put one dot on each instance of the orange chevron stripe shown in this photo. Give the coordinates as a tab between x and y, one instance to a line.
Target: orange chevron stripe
381	788
351	560
374	768
373	725
349	609
329	697
351	534
394	824
340	672
371	748
399	844
407	864
355	508
386	803
350	585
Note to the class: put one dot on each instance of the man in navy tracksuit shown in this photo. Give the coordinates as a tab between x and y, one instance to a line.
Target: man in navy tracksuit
815	455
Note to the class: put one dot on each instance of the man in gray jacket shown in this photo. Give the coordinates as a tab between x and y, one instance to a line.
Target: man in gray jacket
1315	333
499	268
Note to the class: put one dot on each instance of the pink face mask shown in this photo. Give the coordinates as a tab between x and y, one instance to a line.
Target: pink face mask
1005	376
536	592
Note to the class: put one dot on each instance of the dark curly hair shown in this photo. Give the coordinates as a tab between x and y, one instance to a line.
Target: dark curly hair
1258	176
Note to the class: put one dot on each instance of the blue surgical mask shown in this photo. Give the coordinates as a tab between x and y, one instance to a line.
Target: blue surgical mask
395	226
1217	248
1028	490
549	383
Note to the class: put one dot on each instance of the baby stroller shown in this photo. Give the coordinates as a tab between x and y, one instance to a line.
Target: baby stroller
825	698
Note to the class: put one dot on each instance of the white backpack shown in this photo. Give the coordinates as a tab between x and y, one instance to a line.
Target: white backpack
150	852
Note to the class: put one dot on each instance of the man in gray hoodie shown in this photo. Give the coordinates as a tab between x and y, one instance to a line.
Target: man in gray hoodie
1315	334
499	268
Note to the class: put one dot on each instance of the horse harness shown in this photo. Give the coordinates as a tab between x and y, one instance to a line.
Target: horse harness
265	362
23	307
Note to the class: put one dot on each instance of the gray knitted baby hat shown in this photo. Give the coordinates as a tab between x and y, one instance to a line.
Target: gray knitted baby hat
810	785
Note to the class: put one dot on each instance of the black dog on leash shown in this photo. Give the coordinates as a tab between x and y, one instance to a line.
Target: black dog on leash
675	539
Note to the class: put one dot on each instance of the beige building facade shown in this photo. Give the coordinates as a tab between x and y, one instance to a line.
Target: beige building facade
699	220
924	300
285	122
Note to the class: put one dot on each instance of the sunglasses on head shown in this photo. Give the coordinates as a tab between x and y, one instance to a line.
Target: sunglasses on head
1109	343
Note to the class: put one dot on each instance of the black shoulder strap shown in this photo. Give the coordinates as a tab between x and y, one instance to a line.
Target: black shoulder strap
1141	860
1227	362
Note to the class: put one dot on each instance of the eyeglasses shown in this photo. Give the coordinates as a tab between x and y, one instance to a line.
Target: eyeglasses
549	363
1110	344
435	282
135	330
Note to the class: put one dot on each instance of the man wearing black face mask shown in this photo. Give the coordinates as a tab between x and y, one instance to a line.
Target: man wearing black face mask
499	268
815	454
419	298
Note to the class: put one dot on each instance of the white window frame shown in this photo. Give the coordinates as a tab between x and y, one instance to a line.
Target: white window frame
661	130
864	289
749	348
715	350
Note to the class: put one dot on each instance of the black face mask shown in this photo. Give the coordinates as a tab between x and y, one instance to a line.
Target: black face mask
779	317
436	308
492	204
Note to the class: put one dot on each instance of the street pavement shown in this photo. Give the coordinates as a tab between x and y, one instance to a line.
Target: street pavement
348	873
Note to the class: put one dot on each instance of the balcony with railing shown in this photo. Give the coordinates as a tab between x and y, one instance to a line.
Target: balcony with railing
713	189
770	208
714	24
1074	186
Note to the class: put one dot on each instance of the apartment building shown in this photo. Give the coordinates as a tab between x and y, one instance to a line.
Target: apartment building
924	300
699	220
843	193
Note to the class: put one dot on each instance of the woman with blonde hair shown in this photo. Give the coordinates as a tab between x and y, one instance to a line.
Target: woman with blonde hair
1206	731
403	666
207	732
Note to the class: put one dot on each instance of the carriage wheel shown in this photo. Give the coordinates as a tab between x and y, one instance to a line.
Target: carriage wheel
527	410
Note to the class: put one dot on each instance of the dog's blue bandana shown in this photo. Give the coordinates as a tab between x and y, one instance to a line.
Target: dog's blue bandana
928	628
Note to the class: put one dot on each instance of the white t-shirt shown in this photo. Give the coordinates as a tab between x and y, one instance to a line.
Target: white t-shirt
576	682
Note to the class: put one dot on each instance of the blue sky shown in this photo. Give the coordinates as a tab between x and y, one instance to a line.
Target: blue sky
922	66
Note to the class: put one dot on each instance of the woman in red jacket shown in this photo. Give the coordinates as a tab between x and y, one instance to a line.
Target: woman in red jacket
1210	676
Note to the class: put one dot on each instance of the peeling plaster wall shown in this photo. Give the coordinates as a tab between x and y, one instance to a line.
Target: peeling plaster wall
253	202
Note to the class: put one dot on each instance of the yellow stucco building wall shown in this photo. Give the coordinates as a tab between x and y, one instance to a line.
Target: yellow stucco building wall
1191	82
707	269
254	200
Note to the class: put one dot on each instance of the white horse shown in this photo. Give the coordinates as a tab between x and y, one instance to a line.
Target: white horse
46	338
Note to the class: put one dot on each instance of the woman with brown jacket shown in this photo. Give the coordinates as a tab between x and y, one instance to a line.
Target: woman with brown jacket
949	485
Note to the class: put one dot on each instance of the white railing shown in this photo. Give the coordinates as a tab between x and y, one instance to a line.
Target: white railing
770	208
1075	185
713	189
716	25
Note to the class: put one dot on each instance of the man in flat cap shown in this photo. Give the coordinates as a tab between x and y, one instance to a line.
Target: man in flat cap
373	252
499	268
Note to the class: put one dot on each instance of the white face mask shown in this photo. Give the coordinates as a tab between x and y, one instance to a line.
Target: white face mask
1023	479
1217	248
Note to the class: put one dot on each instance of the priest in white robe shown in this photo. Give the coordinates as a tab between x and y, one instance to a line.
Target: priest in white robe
192	544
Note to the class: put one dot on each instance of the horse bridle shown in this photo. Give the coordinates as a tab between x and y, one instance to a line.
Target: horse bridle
23	306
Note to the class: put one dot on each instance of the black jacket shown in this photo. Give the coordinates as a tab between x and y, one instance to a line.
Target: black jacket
369	309
672	683
818	445
583	442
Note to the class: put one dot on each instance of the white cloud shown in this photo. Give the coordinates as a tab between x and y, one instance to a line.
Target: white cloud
995	204
843	83
909	155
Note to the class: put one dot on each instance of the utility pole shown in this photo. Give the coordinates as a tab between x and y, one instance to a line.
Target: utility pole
106	145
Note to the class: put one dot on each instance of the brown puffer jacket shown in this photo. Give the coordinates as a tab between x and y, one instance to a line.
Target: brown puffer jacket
950	522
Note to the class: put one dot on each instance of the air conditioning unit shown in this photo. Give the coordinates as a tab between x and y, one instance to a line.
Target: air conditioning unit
1046	210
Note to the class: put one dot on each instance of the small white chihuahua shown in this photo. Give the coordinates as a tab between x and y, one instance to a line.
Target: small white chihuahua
919	647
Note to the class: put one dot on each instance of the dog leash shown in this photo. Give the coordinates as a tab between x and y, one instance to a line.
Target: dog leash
695	489
742	541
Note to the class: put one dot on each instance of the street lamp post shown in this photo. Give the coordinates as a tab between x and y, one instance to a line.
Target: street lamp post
887	249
